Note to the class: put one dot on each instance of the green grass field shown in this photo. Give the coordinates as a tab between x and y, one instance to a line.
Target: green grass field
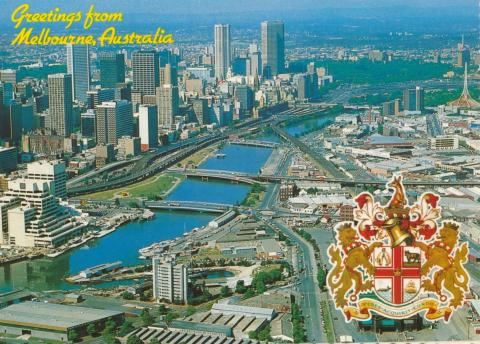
152	187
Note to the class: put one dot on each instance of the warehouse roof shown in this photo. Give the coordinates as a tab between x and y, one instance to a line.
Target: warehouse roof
201	327
243	310
51	316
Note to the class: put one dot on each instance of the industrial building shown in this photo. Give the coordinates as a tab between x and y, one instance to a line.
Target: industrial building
53	321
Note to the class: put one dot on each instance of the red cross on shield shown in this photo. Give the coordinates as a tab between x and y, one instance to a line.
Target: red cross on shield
397	273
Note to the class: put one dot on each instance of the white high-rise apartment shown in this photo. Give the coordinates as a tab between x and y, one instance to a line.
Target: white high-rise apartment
167	105
222	50
170	281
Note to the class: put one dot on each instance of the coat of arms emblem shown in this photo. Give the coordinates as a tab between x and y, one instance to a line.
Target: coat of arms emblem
398	260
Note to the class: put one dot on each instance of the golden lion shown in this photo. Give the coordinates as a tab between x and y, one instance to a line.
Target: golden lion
451	273
345	272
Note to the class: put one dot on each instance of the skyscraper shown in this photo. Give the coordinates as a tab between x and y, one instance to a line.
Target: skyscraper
222	50
168	75
60	111
413	99
112	69
50	170
78	66
273	47
146	76
148	126
167	104
114	120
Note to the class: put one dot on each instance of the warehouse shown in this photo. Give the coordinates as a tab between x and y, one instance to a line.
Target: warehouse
52	321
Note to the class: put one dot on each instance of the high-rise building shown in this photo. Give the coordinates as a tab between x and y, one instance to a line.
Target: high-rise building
413	99
148	126
200	109
98	96
60	99
8	157
222	50
78	66
168	75
87	123
112	69
244	100
8	76
11	122
129	146
146	76
389	108
54	171
39	221
307	86
167	105
170	281
114	120
254	64
273	47
6	203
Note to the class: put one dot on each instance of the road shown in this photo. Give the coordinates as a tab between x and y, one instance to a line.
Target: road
307	285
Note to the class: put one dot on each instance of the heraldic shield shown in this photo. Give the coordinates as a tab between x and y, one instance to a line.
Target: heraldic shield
398	260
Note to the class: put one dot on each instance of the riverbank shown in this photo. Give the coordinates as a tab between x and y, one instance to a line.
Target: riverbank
159	185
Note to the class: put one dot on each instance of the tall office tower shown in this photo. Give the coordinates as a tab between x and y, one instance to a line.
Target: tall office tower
8	95
201	111
222	50
413	99
54	171
11	122
112	69
39	221
60	100
254	64
273	47
8	76
146	76
243	100
170	281
167	104
78	66
307	86
389	108
114	120
168	75
98	96
148	126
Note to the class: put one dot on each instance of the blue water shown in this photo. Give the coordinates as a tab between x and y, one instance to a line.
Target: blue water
124	243
212	191
268	138
246	159
309	125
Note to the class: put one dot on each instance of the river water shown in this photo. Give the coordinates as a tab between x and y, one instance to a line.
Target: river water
124	243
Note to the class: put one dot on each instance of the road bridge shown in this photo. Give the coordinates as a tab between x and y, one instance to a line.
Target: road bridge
204	207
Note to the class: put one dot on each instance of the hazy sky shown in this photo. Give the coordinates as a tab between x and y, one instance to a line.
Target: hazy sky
169	6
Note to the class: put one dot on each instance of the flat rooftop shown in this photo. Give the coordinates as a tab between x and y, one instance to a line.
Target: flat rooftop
51	316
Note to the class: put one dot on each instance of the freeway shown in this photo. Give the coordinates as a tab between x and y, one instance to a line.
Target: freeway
189	205
144	169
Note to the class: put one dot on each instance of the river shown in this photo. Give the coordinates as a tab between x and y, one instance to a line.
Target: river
49	273
123	244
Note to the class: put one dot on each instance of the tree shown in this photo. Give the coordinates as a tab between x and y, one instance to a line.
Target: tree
125	329
73	335
240	287
260	287
91	330
147	318
127	295
162	310
154	341
191	310
134	340
321	278
264	335
224	291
